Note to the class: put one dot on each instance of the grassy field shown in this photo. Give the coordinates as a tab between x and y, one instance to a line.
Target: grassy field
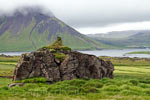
131	82
140	52
7	65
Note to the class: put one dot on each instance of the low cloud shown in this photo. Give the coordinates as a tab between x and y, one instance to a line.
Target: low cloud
116	27
82	14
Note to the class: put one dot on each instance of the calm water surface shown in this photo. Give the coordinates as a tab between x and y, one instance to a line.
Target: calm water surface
112	53
118	53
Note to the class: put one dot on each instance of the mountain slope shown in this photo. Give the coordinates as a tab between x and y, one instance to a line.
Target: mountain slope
30	31
140	39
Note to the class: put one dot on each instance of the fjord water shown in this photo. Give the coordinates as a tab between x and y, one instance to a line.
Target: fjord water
118	53
109	52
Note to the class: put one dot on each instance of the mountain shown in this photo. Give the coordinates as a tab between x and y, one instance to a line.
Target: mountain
132	39
32	29
141	39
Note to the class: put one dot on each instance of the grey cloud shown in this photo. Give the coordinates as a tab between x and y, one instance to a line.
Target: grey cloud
87	13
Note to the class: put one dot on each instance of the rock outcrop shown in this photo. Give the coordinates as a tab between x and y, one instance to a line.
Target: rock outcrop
57	65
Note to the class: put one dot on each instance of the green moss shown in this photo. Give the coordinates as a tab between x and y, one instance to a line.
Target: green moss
60	56
53	50
65	48
57	45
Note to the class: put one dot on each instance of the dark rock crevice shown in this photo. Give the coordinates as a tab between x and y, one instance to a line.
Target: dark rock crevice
58	62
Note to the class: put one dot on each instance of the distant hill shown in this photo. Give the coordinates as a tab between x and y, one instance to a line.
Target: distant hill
141	39
125	39
34	29
115	34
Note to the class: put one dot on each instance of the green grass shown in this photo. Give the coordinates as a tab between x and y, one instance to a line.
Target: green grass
32	80
140	52
126	61
9	59
131	82
7	65
6	70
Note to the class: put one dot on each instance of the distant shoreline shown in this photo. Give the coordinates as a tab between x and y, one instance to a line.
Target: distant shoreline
140	52
101	52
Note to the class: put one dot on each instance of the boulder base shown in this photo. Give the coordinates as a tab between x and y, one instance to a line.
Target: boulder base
72	65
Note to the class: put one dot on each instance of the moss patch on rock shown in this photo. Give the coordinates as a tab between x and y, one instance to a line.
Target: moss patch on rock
60	56
57	45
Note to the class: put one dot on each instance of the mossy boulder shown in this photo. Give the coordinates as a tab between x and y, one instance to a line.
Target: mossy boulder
57	63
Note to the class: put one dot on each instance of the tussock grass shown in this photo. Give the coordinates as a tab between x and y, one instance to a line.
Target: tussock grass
131	82
32	80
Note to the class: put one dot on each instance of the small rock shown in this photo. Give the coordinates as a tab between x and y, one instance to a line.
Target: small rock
15	84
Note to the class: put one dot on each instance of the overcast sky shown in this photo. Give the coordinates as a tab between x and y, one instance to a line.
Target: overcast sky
92	16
